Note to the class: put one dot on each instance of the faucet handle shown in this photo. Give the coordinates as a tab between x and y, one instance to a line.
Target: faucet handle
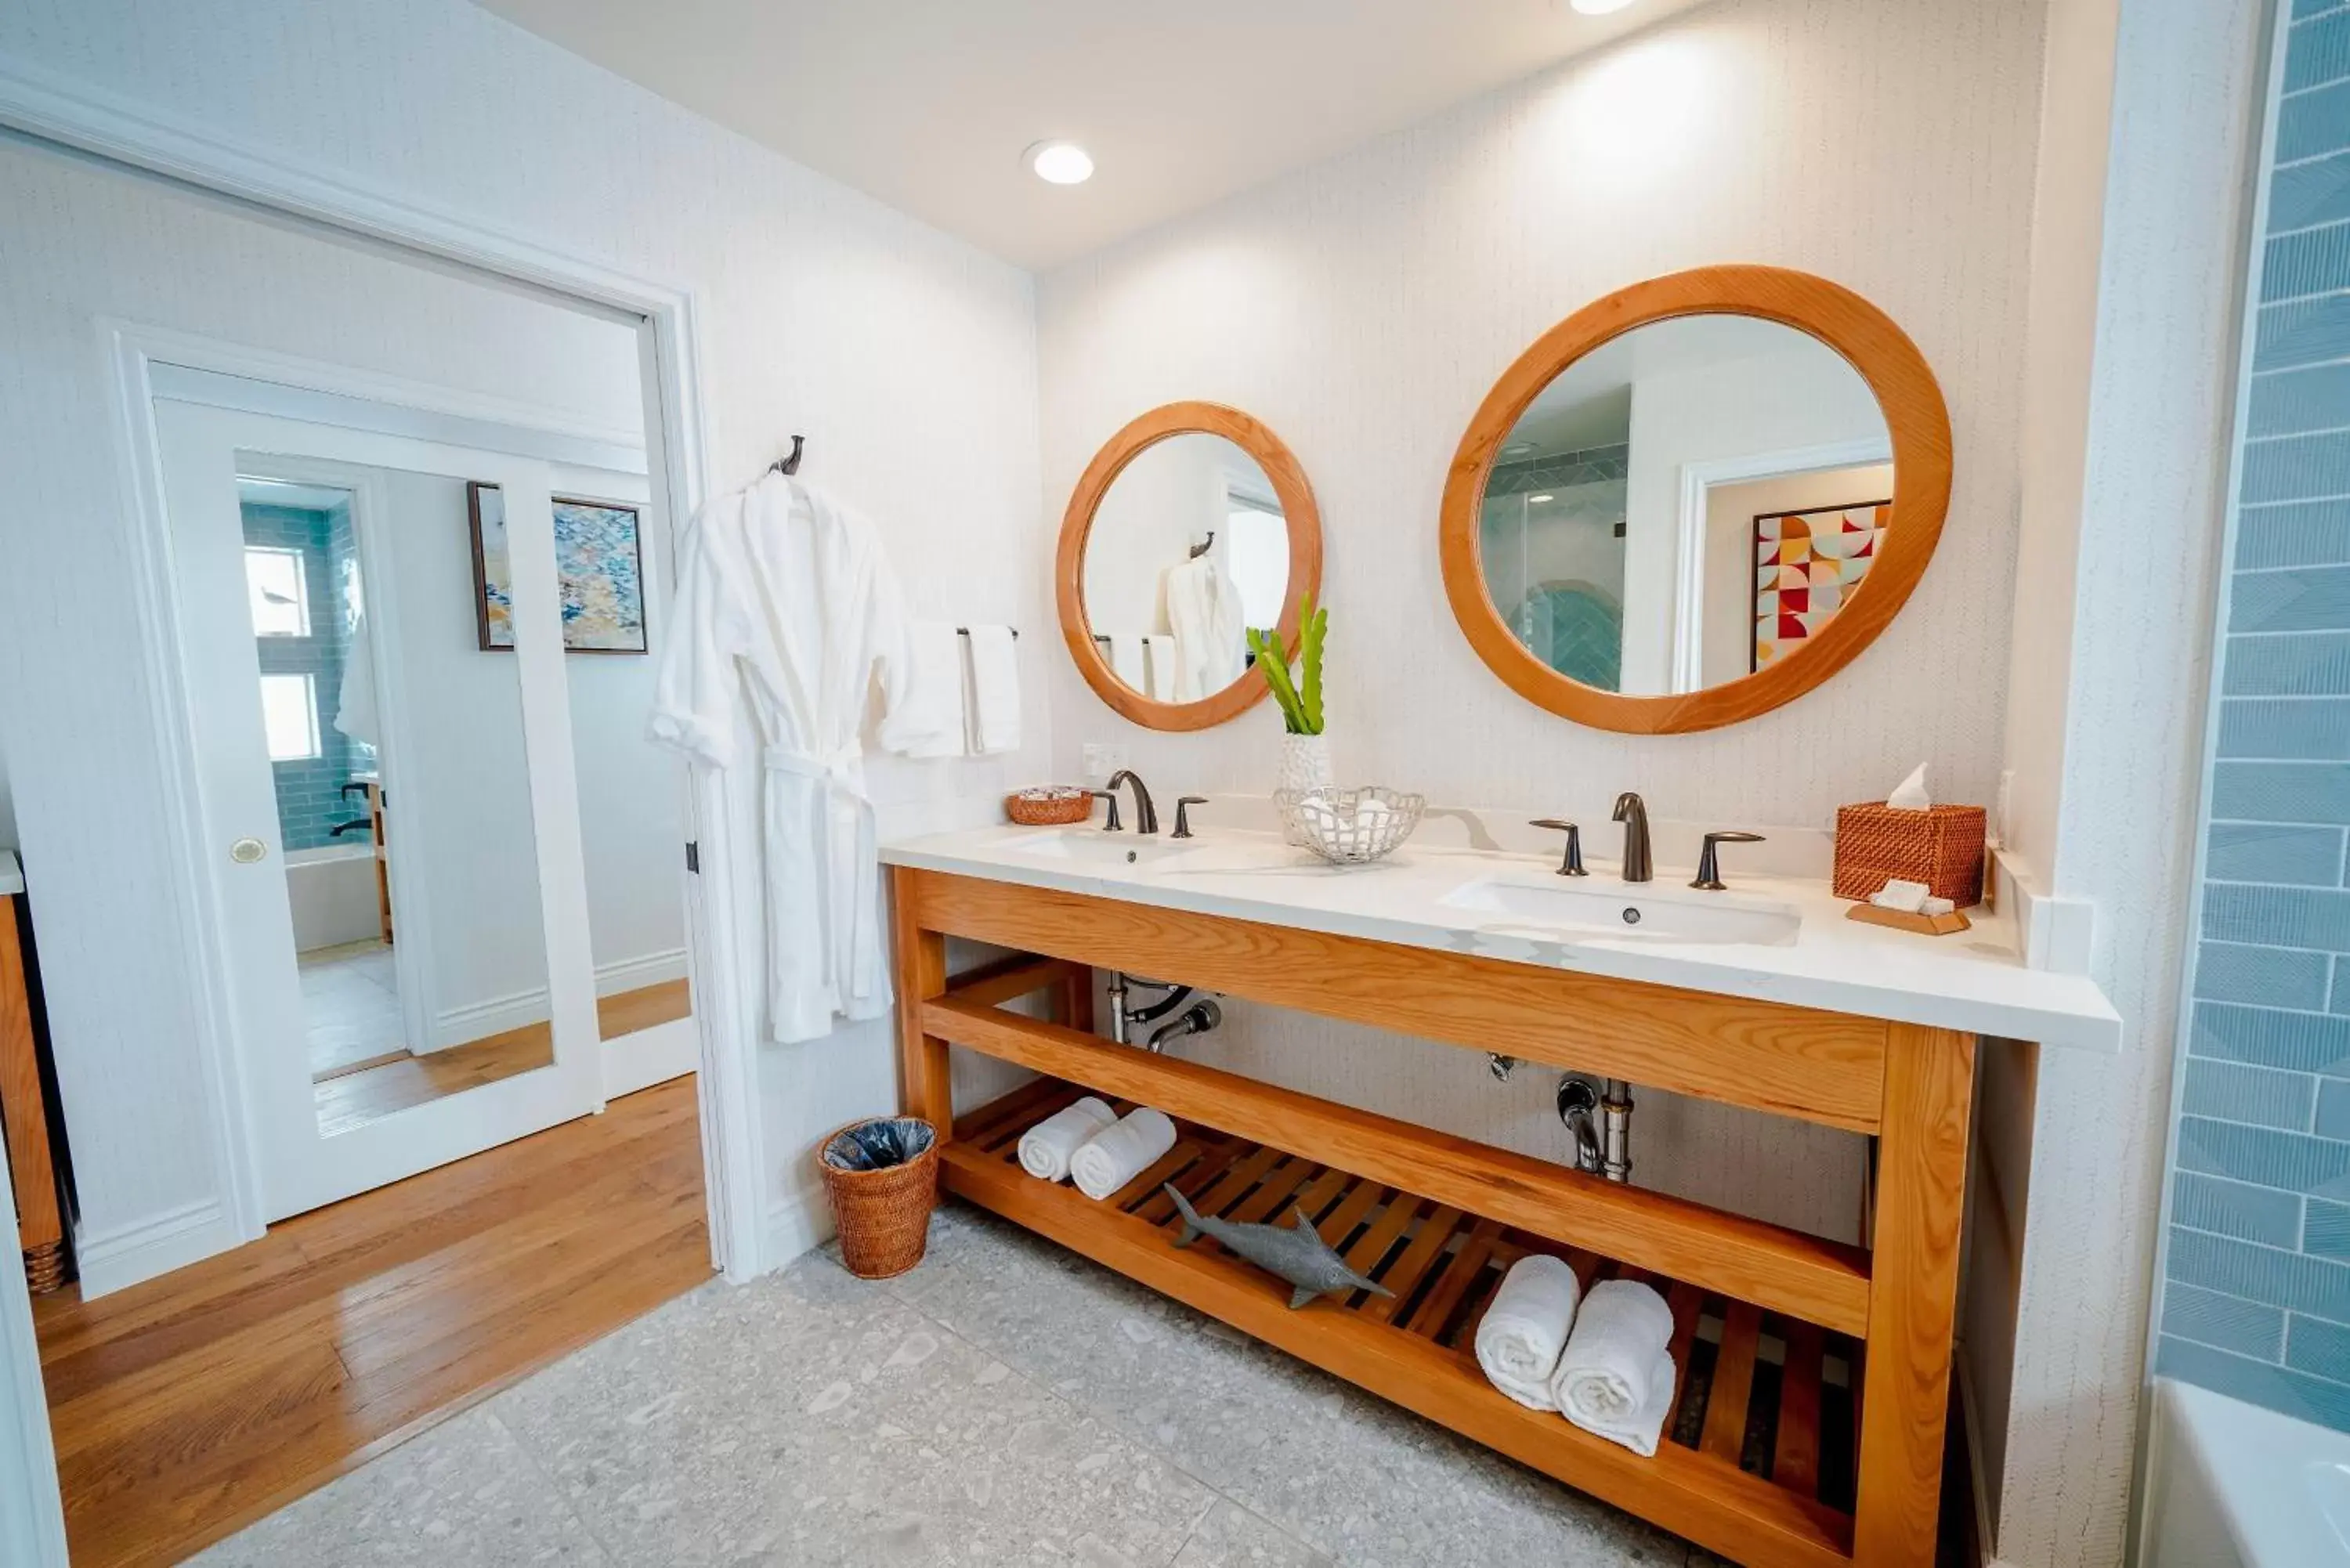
1113	825
1183	815
1572	866
1709	865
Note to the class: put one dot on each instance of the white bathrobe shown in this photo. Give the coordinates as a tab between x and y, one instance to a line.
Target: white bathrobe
788	600
1203	610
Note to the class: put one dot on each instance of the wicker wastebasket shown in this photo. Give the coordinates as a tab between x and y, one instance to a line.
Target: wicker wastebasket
882	1175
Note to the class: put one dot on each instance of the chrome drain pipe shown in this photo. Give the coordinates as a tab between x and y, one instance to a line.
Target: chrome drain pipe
1616	1117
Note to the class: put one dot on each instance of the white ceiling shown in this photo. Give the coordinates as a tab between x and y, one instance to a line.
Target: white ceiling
927	104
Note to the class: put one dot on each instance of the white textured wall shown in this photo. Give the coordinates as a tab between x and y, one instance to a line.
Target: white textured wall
907	358
2160	399
1363	307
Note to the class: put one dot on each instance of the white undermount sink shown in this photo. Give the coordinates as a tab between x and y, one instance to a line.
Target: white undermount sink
1094	846
1580	905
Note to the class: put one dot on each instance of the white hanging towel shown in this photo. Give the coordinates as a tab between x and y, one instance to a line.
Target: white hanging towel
1160	648
354	704
1204	609
1615	1378
1126	660
994	704
932	724
788	600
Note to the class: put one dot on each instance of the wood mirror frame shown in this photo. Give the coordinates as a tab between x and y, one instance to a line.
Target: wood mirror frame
1915	417
1297	510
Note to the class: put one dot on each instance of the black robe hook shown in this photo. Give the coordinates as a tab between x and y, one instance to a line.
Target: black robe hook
791	465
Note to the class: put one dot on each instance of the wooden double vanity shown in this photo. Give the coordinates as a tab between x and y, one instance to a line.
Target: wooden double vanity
1840	1463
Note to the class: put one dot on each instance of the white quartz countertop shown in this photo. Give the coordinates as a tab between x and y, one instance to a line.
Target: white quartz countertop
1972	980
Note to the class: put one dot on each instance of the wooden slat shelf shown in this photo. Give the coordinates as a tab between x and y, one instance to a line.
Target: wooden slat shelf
1417	1348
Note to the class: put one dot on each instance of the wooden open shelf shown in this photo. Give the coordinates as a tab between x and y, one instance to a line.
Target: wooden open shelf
1765	1413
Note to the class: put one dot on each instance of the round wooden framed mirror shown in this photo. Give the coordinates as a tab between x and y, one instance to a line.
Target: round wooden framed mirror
1189	526
1695	499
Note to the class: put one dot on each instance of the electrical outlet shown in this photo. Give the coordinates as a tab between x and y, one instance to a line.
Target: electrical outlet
1103	760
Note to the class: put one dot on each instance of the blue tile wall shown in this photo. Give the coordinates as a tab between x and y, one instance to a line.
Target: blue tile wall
2256	1300
310	801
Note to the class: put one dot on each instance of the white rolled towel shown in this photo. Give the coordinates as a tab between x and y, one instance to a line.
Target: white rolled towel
1046	1148
1522	1335
1121	1152
1615	1378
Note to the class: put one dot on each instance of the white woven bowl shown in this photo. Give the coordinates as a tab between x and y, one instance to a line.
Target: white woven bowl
1349	826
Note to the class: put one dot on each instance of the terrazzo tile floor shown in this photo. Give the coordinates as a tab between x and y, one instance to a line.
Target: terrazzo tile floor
1006	1402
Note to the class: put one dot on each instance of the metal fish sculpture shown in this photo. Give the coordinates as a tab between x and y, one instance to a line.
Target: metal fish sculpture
1297	1254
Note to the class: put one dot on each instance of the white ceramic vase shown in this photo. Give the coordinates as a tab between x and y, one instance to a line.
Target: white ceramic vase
1304	765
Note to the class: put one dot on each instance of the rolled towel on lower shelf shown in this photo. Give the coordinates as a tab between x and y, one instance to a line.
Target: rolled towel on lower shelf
1046	1147
1615	1378
1121	1152
1523	1334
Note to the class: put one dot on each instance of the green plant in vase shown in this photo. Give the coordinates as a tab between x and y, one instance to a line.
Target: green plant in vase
1298	691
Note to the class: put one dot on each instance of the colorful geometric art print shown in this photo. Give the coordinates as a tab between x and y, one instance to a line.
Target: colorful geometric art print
1806	565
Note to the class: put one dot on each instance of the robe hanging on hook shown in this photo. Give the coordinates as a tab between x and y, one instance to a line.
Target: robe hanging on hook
791	465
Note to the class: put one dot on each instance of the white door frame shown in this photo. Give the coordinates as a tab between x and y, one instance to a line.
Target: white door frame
1689	554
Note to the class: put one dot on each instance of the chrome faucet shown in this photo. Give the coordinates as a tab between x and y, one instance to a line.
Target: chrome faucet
1146	816
1634	814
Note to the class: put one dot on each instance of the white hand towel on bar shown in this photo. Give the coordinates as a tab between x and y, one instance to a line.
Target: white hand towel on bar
994	691
1046	1148
1118	1153
1126	660
1521	1335
929	720
1161	647
1616	1379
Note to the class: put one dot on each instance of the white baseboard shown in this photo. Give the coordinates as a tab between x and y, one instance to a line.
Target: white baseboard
651	1057
796	1223
519	1010
128	1254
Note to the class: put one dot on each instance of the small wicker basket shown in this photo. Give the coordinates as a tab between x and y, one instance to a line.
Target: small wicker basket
884	1215
1049	806
1941	846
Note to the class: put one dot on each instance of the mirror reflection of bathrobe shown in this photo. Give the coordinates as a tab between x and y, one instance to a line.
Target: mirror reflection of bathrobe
786	597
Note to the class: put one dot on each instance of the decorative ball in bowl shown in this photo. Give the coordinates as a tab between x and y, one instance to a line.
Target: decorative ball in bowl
1350	826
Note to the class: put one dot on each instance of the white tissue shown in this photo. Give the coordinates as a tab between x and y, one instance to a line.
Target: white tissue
1910	794
1936	906
1909	897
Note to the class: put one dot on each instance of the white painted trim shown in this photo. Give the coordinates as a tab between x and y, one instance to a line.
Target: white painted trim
801	1221
111	1259
2056	933
50	105
518	1009
31	1512
404	409
1689	542
651	1057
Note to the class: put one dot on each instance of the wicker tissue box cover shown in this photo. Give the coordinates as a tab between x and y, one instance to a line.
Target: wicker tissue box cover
1941	846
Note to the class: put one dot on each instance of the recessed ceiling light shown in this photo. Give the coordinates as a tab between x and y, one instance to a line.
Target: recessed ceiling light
1517	448
1598	7
1538	500
1059	163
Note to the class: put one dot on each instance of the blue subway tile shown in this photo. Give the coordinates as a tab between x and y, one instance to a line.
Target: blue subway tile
2265	1274
2262	1096
2320	1348
2293	534
2309	664
2283	791
2207	1317
2301	599
2298	402
2299	856
2308	262
2233	1208
2303	10
2314	917
2313	123
2301	467
2264	1157
2310	728
2278	977
2341	1002
2333	1109
2271	1037
2325	1232
2278	1388
2317	51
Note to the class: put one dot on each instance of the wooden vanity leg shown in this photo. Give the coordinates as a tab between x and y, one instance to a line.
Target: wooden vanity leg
925	1084
1077	993
1913	1298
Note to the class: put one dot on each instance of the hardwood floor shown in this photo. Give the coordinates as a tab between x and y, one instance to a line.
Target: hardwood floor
361	1093
188	1406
